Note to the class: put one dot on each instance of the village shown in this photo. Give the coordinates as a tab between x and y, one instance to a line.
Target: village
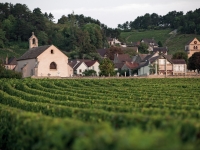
49	61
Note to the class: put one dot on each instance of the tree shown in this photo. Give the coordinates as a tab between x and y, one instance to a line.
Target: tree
90	73
180	55
194	62
160	44
143	48
106	67
112	51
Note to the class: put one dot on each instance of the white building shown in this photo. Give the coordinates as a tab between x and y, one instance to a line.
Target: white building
43	61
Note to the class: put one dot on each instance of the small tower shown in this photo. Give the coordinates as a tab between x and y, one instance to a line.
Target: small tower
33	41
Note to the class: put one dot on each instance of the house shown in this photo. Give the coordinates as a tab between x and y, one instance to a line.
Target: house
160	50
43	61
150	42
162	65
114	41
10	63
121	58
130	66
102	52
80	65
192	46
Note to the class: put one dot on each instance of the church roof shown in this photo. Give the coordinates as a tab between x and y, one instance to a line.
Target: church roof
33	52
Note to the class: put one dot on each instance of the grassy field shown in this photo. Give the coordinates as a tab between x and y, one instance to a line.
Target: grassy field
119	114
173	42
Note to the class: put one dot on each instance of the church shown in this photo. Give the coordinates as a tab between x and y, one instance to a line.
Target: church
43	61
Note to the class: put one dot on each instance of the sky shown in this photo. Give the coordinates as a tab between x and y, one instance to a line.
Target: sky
109	12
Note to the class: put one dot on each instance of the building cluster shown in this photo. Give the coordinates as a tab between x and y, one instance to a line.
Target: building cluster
49	61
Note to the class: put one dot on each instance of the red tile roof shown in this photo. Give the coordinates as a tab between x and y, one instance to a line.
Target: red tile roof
131	65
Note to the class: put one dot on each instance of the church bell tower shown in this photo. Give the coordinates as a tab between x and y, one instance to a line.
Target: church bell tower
33	41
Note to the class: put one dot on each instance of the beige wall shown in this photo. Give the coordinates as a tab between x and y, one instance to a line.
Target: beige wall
95	67
191	49
27	66
41	66
10	67
46	58
81	68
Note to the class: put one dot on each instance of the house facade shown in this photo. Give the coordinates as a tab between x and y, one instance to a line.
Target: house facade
150	42
192	46
43	61
162	65
10	63
80	65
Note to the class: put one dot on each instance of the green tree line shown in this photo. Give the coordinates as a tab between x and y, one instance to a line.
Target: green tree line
188	23
72	33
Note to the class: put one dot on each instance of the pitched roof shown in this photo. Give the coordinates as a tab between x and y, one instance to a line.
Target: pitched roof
102	52
118	65
178	61
131	65
12	61
34	52
148	41
72	64
90	63
188	43
123	57
160	49
142	56
77	65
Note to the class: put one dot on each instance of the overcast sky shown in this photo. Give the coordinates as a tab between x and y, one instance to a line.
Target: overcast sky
109	12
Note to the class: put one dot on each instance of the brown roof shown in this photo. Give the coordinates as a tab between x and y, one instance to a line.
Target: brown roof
188	43
77	65
118	65
34	52
72	64
90	63
178	61
130	48
148	41
12	61
110	39
102	52
131	65
123	57
160	49
142	56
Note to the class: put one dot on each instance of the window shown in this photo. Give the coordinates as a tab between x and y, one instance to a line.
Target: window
53	65
52	52
80	70
33	41
194	47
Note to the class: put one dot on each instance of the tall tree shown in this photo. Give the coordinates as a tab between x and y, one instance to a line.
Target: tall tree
106	67
180	55
194	62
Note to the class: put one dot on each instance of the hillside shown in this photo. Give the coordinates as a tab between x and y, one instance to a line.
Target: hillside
174	42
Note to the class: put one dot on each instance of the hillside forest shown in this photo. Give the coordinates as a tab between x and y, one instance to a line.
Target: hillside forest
77	35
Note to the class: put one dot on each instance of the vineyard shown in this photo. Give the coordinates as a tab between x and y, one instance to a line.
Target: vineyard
100	114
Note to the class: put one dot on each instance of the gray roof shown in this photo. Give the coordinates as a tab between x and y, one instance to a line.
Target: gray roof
34	52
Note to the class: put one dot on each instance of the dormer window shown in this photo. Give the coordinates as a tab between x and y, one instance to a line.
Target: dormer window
52	52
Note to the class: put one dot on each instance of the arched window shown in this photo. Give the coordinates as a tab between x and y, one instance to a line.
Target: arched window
33	40
194	47
51	51
53	65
